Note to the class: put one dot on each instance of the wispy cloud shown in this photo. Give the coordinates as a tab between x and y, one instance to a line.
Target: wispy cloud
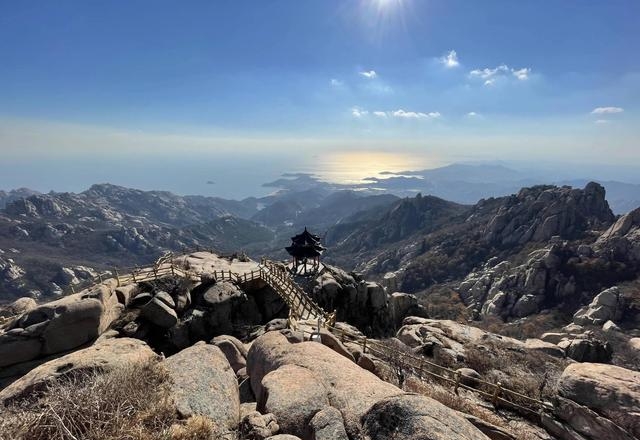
450	60
602	121
491	75
358	112
472	114
521	74
606	110
371	74
400	113
336	82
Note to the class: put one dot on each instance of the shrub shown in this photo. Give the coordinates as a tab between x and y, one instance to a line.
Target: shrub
131	403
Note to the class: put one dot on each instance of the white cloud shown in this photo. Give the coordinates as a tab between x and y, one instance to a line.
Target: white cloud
336	82
472	114
358	112
490	76
450	60
371	74
488	73
606	110
522	74
400	113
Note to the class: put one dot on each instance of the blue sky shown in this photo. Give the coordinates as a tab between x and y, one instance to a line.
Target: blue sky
457	80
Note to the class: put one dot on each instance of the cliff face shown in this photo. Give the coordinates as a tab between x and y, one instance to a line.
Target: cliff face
541	212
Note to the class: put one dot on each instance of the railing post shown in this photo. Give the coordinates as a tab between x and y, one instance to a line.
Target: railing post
364	346
496	393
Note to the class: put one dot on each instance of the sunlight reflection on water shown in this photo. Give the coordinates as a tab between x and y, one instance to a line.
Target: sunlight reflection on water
356	167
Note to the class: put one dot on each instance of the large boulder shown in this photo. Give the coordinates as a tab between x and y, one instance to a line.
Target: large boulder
606	389
328	424
294	395
588	422
587	349
106	354
203	383
350	389
412	417
233	349
59	325
18	307
607	305
160	313
544	347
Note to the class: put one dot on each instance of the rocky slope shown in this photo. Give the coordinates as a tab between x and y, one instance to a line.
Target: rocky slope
545	247
51	242
230	366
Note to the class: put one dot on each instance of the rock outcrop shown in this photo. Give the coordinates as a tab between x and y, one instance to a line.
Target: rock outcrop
607	305
607	389
413	417
348	388
59	326
203	383
541	212
106	354
364	304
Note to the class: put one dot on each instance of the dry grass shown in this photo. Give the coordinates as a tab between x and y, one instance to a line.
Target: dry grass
532	374
519	430
131	403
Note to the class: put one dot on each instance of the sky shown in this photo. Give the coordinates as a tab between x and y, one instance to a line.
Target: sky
433	81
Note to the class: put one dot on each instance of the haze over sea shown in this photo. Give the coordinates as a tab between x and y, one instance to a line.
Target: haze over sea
239	175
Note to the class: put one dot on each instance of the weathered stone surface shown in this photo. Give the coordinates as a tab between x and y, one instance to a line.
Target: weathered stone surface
607	389
203	383
344	380
634	344
294	395
59	326
412	417
165	298
350	389
468	376
233	349
141	299
544	347
607	305
125	294
328	424
401	304
284	437
104	355
610	326
18	307
492	431
330	340
553	338
587	422
256	426
585	349
159	313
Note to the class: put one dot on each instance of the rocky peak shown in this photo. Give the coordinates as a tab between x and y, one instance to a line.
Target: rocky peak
541	212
